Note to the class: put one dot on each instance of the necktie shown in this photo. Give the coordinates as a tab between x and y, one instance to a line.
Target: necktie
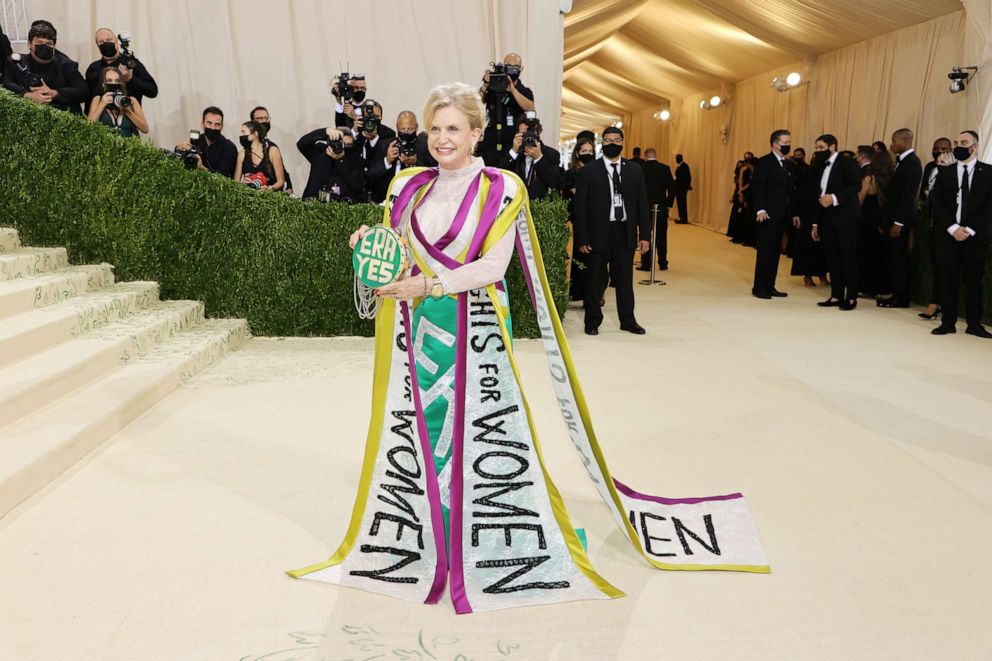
965	189
617	208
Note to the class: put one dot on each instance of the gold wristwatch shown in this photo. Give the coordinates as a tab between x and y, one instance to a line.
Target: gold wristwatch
437	289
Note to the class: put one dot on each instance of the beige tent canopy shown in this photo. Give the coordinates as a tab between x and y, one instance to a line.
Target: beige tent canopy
868	68
628	55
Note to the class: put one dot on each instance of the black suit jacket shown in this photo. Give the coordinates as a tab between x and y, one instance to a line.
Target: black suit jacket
61	74
660	184
140	86
844	183
771	188
901	193
978	211
683	177
594	205
544	177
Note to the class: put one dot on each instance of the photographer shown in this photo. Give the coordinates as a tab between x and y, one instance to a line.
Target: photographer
533	161
115	108
507	100
259	162
402	151
117	54
337	171
5	50
214	152
46	76
260	115
349	92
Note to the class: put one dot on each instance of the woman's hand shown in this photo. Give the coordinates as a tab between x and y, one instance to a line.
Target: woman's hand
405	289
107	99
357	236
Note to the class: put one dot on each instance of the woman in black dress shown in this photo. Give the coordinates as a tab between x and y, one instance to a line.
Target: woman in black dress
583	153
259	162
734	222
872	279
809	259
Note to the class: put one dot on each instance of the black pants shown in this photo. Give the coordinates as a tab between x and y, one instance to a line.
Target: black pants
936	284
680	199
769	244
660	241
897	264
956	256
841	246
620	260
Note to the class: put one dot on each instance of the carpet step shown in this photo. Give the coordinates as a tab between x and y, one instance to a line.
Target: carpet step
9	239
39	448
29	333
37	291
41	379
28	261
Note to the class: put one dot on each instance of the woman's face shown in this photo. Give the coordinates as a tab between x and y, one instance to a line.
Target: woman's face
112	78
587	149
246	131
450	139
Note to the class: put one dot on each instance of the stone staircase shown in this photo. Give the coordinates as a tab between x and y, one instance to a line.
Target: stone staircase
81	356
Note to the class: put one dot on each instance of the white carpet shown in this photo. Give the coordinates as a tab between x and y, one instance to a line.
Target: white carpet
862	443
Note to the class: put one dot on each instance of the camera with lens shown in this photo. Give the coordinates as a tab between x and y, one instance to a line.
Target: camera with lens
31	79
499	81
336	146
531	139
127	57
343	88
370	123
120	99
194	153
407	147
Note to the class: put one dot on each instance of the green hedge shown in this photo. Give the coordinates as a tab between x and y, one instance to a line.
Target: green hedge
280	263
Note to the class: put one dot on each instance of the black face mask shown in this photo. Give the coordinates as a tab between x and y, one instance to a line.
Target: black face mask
44	52
245	141
821	156
266	125
108	49
359	95
586	159
962	153
513	73
935	154
612	151
784	149
112	88
212	134
407	137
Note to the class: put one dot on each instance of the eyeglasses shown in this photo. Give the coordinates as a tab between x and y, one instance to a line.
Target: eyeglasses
612	141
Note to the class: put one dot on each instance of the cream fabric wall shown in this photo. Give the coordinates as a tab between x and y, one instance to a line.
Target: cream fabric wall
978	52
282	54
859	93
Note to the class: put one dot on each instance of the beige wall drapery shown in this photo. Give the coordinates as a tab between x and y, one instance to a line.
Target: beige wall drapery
237	54
859	93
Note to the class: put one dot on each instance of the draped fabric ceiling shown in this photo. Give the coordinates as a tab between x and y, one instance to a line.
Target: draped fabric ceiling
622	56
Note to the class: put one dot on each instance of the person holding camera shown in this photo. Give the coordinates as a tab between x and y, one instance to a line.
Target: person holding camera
115	108
260	115
337	171
213	151
46	76
401	152
507	101
116	53
259	162
533	161
349	93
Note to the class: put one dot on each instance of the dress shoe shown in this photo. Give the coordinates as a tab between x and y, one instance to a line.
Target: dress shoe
892	303
778	294
830	303
663	268
978	331
758	293
848	305
924	315
643	268
944	329
633	328
681	222
592	331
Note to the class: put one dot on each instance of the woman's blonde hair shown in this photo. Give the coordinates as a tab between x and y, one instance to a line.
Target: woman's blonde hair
463	97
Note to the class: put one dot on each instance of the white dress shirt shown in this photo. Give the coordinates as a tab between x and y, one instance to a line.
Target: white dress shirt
970	168
826	177
609	171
